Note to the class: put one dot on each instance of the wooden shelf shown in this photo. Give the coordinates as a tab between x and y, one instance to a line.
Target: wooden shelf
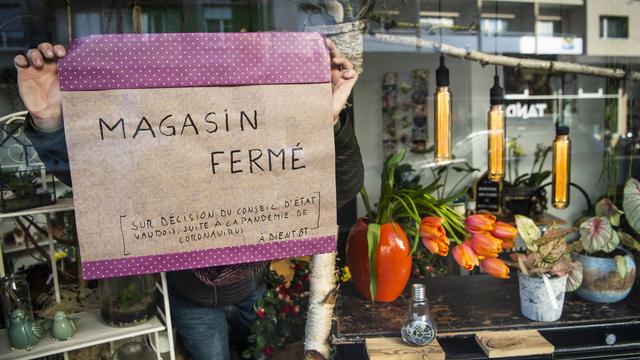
91	331
63	204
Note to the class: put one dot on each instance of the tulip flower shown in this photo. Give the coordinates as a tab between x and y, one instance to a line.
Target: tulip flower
434	236
504	231
485	245
495	267
480	223
508	244
465	257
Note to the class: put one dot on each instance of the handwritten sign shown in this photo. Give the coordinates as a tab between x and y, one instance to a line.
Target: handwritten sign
487	195
195	150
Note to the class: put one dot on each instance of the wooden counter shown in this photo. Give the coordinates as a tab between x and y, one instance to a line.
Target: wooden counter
464	305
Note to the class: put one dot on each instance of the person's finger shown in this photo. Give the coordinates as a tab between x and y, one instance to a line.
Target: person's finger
21	61
349	74
35	58
333	49
46	49
342	62
60	50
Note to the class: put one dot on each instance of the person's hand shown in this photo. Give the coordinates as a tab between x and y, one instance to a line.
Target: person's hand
39	86
343	78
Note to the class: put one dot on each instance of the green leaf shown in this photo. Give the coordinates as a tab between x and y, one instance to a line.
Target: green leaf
628	241
595	233
612	244
528	231
631	203
574	280
621	266
373	236
608	209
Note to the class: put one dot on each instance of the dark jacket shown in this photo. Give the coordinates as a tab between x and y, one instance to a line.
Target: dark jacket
52	149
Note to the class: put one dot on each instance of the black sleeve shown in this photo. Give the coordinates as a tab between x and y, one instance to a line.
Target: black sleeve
349	168
52	150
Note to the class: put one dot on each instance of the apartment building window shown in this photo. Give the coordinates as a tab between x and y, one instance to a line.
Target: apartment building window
493	26
614	27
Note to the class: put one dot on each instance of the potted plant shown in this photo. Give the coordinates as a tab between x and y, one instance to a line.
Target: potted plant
127	301
609	269
546	270
21	190
378	249
348	30
523	194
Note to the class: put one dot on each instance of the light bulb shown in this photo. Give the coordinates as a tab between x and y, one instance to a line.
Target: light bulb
561	168
418	327
442	108
496	125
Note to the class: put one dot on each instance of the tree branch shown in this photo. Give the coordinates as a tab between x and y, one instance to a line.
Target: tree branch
521	63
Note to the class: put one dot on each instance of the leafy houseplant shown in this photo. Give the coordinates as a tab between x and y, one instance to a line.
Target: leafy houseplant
20	190
609	268
546	270
378	250
280	314
522	193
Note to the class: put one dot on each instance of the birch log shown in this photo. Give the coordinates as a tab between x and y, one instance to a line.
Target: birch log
321	303
522	63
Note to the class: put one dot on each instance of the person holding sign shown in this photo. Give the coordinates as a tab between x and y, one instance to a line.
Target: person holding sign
207	303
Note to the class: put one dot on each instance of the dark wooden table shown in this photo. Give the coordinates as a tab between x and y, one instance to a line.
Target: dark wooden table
463	305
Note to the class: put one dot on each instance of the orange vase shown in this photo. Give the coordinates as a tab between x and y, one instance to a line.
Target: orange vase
393	260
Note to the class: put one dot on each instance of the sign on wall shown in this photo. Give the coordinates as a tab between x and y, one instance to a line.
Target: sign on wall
195	150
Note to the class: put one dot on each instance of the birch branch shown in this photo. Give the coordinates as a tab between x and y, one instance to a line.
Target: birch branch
521	63
321	303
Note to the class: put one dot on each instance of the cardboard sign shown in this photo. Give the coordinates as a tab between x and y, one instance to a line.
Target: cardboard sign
196	150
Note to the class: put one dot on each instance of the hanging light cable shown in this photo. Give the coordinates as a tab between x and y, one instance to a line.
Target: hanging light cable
495	121
442	107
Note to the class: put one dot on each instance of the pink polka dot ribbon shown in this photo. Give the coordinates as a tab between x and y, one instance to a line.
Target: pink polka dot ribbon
211	257
136	61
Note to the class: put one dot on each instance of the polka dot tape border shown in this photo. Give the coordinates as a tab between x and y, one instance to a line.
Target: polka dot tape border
135	61
203	258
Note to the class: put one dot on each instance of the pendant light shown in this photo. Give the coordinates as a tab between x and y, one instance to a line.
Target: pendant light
495	120
561	168
442	106
496	126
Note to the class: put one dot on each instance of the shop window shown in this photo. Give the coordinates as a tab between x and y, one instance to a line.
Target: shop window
614	27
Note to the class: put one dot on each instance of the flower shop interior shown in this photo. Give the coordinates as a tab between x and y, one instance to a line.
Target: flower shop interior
496	211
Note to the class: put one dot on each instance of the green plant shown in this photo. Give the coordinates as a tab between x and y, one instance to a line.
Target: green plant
280	314
546	254
407	207
536	176
21	183
601	234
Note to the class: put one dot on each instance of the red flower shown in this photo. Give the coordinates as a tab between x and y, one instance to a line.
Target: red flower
268	351
260	313
295	309
285	309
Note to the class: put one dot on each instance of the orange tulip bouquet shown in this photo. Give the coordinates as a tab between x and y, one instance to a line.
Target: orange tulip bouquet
379	253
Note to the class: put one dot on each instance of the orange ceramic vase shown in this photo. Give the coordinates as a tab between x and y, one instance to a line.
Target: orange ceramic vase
393	260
